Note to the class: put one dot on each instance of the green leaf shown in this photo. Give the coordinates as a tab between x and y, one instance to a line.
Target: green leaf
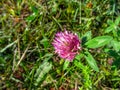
66	64
2	62
98	41
45	42
34	9
110	22
91	61
70	9
79	64
48	55
109	29
116	45
30	18
42	70
117	21
87	35
79	56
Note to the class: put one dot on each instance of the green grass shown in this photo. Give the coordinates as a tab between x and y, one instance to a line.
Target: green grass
27	58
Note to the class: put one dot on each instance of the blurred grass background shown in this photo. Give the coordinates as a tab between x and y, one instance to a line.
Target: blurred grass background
27	59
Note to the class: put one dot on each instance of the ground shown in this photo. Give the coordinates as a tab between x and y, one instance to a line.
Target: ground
27	57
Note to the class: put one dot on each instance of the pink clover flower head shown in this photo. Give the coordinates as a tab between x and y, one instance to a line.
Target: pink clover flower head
66	45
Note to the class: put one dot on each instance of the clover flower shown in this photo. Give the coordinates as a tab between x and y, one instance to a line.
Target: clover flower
66	45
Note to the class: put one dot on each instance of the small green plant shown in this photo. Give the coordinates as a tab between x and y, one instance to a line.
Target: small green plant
27	57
